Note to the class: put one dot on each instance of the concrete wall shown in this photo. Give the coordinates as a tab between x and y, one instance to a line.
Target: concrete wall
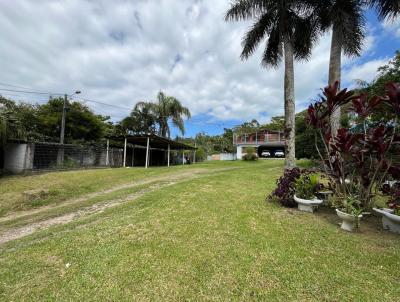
18	157
222	156
239	152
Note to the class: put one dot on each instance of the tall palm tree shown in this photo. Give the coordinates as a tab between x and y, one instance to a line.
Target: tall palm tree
290	33
167	108
346	20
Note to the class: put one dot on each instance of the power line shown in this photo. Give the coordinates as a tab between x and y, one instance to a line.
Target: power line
110	105
31	92
17	86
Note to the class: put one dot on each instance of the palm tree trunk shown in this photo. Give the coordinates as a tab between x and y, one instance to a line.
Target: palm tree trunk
334	72
290	156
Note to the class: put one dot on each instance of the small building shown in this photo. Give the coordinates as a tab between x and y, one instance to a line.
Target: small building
121	151
152	150
262	140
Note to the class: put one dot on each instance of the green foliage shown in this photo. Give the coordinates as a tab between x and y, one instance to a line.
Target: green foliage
250	155
276	123
141	120
212	144
81	124
200	154
247	127
10	123
386	73
350	204
307	185
43	122
166	109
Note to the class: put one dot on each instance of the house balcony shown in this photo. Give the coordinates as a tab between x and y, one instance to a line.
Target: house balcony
266	138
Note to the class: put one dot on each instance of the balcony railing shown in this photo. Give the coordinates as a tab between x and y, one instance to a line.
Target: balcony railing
259	138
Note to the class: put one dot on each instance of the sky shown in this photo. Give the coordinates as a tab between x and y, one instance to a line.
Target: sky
121	52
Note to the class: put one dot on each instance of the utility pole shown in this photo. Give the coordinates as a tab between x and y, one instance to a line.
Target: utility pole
194	153
60	155
64	112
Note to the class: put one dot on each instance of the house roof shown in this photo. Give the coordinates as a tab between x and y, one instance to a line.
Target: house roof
156	141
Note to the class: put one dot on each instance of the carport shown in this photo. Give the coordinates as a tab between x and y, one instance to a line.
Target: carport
149	149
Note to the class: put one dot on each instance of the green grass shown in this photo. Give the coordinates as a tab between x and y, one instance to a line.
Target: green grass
33	191
210	238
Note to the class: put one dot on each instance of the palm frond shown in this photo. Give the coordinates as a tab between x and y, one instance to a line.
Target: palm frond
273	52
256	33
246	9
386	9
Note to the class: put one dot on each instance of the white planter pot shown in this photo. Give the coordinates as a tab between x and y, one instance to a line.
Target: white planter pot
390	221
307	205
348	220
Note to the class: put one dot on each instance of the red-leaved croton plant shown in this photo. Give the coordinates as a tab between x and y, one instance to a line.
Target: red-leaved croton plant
360	158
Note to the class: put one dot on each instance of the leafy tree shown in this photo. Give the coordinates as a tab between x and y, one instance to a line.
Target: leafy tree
289	26
10	125
166	109
276	123
386	74
81	124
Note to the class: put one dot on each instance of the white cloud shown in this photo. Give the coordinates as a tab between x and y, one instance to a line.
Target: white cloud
126	51
392	26
366	72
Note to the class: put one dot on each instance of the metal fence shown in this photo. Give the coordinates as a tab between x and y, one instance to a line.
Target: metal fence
20	157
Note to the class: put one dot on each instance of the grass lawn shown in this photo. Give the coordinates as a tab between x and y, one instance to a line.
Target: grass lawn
213	237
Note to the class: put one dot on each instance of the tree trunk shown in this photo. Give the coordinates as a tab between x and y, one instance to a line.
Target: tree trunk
290	156
334	72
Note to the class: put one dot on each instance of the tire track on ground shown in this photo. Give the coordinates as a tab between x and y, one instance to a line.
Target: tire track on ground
161	182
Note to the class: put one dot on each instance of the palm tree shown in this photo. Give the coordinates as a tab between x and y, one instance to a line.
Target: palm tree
346	19
389	9
290	33
166	109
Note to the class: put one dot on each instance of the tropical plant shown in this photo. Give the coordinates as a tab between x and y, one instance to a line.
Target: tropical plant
166	109
141	120
307	185
393	191
286	188
346	20
350	204
290	30
358	160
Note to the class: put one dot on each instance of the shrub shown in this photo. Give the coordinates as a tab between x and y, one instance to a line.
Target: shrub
250	155
394	196
307	185
286	186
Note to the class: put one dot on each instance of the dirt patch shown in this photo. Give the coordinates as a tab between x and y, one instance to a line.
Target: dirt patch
161	182
172	177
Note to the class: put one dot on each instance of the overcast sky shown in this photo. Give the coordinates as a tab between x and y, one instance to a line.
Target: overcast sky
122	52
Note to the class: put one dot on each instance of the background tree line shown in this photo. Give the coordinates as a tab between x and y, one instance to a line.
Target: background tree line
42	122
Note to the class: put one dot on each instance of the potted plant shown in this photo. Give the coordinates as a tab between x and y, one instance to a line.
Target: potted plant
391	215
349	211
306	187
356	158
286	186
